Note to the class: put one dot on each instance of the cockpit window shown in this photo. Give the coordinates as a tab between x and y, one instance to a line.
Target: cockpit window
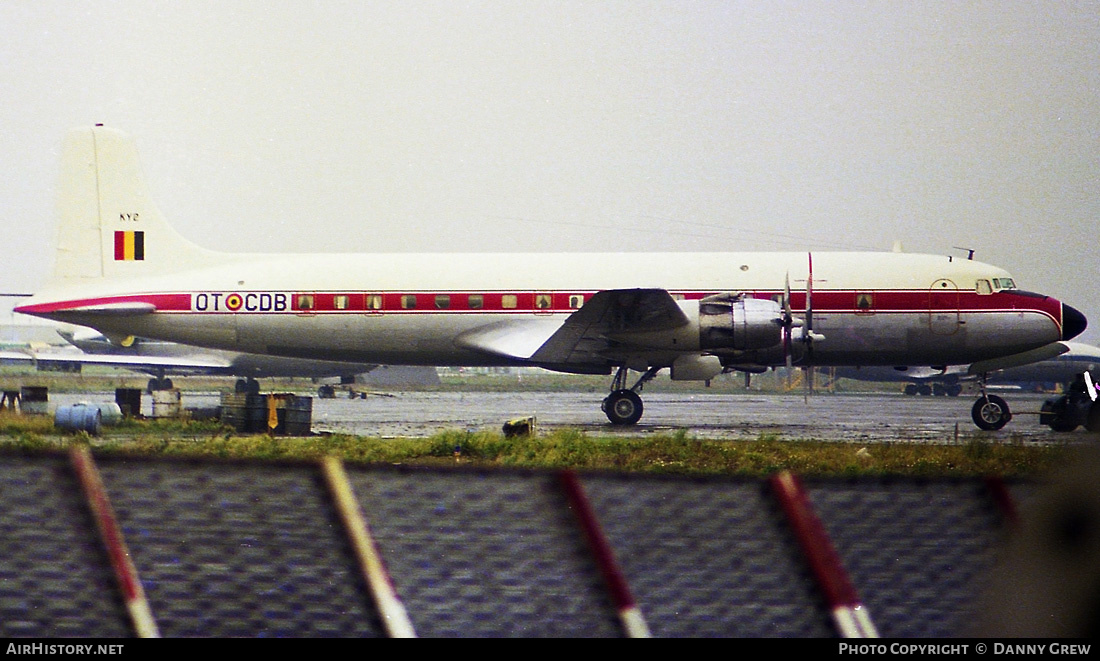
1003	283
983	287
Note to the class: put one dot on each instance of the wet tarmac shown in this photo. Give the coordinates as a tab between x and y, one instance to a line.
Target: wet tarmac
856	418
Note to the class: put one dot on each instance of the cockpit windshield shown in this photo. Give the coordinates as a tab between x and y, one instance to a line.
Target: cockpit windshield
998	284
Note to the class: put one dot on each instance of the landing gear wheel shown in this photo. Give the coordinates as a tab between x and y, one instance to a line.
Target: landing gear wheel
326	392
623	407
990	413
158	384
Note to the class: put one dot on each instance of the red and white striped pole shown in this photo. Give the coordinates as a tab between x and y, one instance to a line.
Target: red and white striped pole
850	615
111	534
1003	498
629	614
394	616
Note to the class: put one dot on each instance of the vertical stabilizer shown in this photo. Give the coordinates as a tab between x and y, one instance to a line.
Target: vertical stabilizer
109	227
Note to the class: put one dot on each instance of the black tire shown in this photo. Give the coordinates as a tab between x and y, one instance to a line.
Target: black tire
623	407
1053	414
911	389
990	413
1092	423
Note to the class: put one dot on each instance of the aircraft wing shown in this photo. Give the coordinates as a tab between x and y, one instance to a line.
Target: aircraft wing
583	338
589	332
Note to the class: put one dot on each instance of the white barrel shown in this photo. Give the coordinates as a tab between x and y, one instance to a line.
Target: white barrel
166	403
110	413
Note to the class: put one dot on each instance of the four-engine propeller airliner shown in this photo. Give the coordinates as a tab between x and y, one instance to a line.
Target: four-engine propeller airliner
123	270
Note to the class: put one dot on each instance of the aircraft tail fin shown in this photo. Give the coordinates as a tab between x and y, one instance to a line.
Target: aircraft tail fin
109	227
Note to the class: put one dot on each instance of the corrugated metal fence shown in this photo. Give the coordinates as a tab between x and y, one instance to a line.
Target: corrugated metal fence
263	549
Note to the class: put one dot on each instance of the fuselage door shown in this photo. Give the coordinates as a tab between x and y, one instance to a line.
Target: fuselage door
943	307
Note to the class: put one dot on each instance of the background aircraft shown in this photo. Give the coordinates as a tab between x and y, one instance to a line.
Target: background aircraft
162	359
1040	375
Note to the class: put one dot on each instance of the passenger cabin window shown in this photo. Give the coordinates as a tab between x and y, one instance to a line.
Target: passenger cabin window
305	301
475	301
983	287
442	301
340	302
576	301
508	301
408	301
374	301
542	301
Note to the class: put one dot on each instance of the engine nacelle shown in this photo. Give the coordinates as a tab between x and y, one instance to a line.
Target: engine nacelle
722	321
733	321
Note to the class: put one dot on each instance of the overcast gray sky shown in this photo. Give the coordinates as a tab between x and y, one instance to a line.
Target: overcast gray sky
618	125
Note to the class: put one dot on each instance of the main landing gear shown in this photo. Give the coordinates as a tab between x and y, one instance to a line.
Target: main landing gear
158	383
624	406
990	412
247	386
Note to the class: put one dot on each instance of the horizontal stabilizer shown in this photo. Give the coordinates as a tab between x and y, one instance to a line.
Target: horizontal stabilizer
118	360
116	309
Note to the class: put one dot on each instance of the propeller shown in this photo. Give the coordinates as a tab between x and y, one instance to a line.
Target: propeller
808	332
788	318
808	336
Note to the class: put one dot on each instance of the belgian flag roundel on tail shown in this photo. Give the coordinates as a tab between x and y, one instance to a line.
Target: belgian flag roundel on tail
129	245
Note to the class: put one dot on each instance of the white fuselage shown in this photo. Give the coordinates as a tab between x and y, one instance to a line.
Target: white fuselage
871	308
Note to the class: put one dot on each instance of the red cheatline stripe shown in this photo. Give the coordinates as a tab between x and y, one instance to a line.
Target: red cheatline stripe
848	612
1001	495
394	616
111	534
629	613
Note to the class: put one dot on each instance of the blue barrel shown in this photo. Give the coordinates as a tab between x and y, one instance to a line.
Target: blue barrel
78	417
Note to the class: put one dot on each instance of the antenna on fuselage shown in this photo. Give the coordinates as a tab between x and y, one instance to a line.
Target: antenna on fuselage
969	252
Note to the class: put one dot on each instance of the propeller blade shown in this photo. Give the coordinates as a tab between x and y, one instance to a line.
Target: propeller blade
808	327
788	318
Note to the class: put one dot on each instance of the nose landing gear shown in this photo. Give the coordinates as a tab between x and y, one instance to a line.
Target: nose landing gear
990	412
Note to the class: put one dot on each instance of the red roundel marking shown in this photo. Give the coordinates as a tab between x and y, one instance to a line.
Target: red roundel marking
233	302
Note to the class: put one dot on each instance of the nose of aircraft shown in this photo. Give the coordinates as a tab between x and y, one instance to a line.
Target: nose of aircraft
1073	322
